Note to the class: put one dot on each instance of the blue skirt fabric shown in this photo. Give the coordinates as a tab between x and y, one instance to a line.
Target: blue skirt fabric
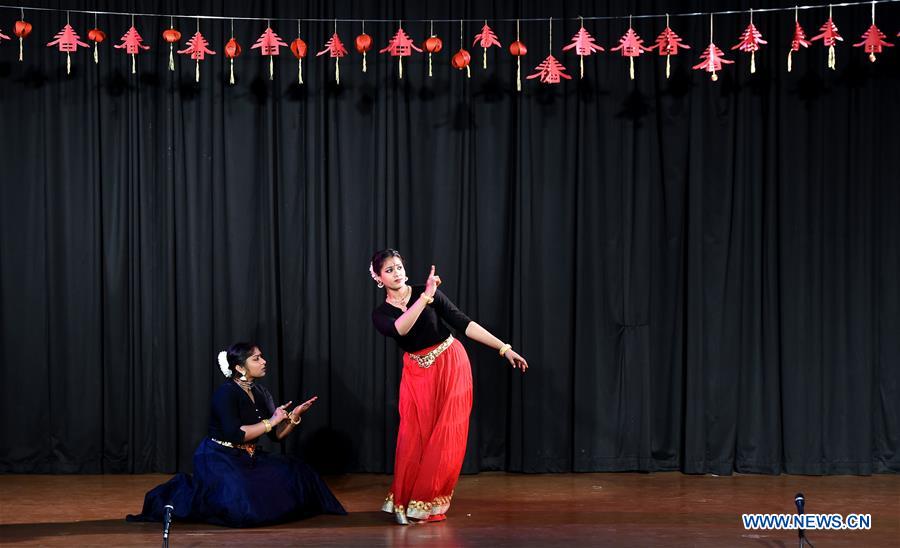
231	488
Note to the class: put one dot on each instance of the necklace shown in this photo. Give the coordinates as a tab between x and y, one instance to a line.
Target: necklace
401	302
246	385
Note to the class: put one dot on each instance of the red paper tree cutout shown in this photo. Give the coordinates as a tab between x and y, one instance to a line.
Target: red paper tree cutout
67	40
486	38
584	45
132	42
667	43
798	40
400	46
750	41
334	47
197	47
829	38
269	43
713	58
198	51
631	46
550	71
873	41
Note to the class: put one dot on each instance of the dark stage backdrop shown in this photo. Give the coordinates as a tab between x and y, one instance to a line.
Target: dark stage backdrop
703	276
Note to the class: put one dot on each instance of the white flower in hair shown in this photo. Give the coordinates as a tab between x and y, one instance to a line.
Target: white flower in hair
223	363
372	273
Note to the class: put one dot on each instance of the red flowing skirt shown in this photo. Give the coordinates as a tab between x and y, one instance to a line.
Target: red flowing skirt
434	423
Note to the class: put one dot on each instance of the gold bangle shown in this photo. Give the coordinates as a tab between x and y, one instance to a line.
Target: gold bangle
428	300
268	425
291	418
504	348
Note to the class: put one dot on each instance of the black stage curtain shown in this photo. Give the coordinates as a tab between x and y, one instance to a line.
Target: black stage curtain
703	275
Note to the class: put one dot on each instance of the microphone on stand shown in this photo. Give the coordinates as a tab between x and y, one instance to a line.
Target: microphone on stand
800	502
167	522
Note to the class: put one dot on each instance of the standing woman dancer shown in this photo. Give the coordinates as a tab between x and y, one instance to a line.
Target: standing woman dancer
435	388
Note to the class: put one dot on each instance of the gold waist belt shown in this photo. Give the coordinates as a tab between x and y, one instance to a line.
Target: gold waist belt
248	447
425	360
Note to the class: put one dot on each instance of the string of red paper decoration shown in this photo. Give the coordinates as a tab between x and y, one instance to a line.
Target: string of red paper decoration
549	71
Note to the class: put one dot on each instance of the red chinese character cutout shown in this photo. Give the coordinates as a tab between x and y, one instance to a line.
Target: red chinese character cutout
631	46
750	42
132	43
335	48
667	43
713	58
584	45
830	38
486	38
798	40
550	71
67	40
400	46
198	50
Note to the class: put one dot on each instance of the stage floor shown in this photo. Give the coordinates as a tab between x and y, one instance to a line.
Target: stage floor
490	509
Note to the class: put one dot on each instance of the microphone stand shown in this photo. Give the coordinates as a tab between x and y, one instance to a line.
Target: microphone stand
167	523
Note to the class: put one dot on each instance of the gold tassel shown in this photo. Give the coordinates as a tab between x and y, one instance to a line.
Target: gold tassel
271	68
714	76
581	64
133	64
231	77
752	62
832	62
364	61
171	59
668	66
484	59
789	59
300	70
631	67
518	73
872	56
197	71
401	66
337	70
468	71
68	63
429	64
96	55
21	48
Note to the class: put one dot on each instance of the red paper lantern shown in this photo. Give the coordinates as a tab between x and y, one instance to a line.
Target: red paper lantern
363	43
518	49
461	60
171	36
433	44
232	49
96	35
22	29
298	47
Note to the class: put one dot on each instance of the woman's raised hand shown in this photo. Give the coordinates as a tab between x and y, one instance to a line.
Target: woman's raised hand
303	407
280	414
432	283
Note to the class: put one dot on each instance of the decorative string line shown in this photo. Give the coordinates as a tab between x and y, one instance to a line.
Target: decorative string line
503	19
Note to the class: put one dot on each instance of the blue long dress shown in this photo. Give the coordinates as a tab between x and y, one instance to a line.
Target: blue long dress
232	488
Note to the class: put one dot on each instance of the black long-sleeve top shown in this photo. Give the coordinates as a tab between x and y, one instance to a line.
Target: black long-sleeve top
429	329
232	408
